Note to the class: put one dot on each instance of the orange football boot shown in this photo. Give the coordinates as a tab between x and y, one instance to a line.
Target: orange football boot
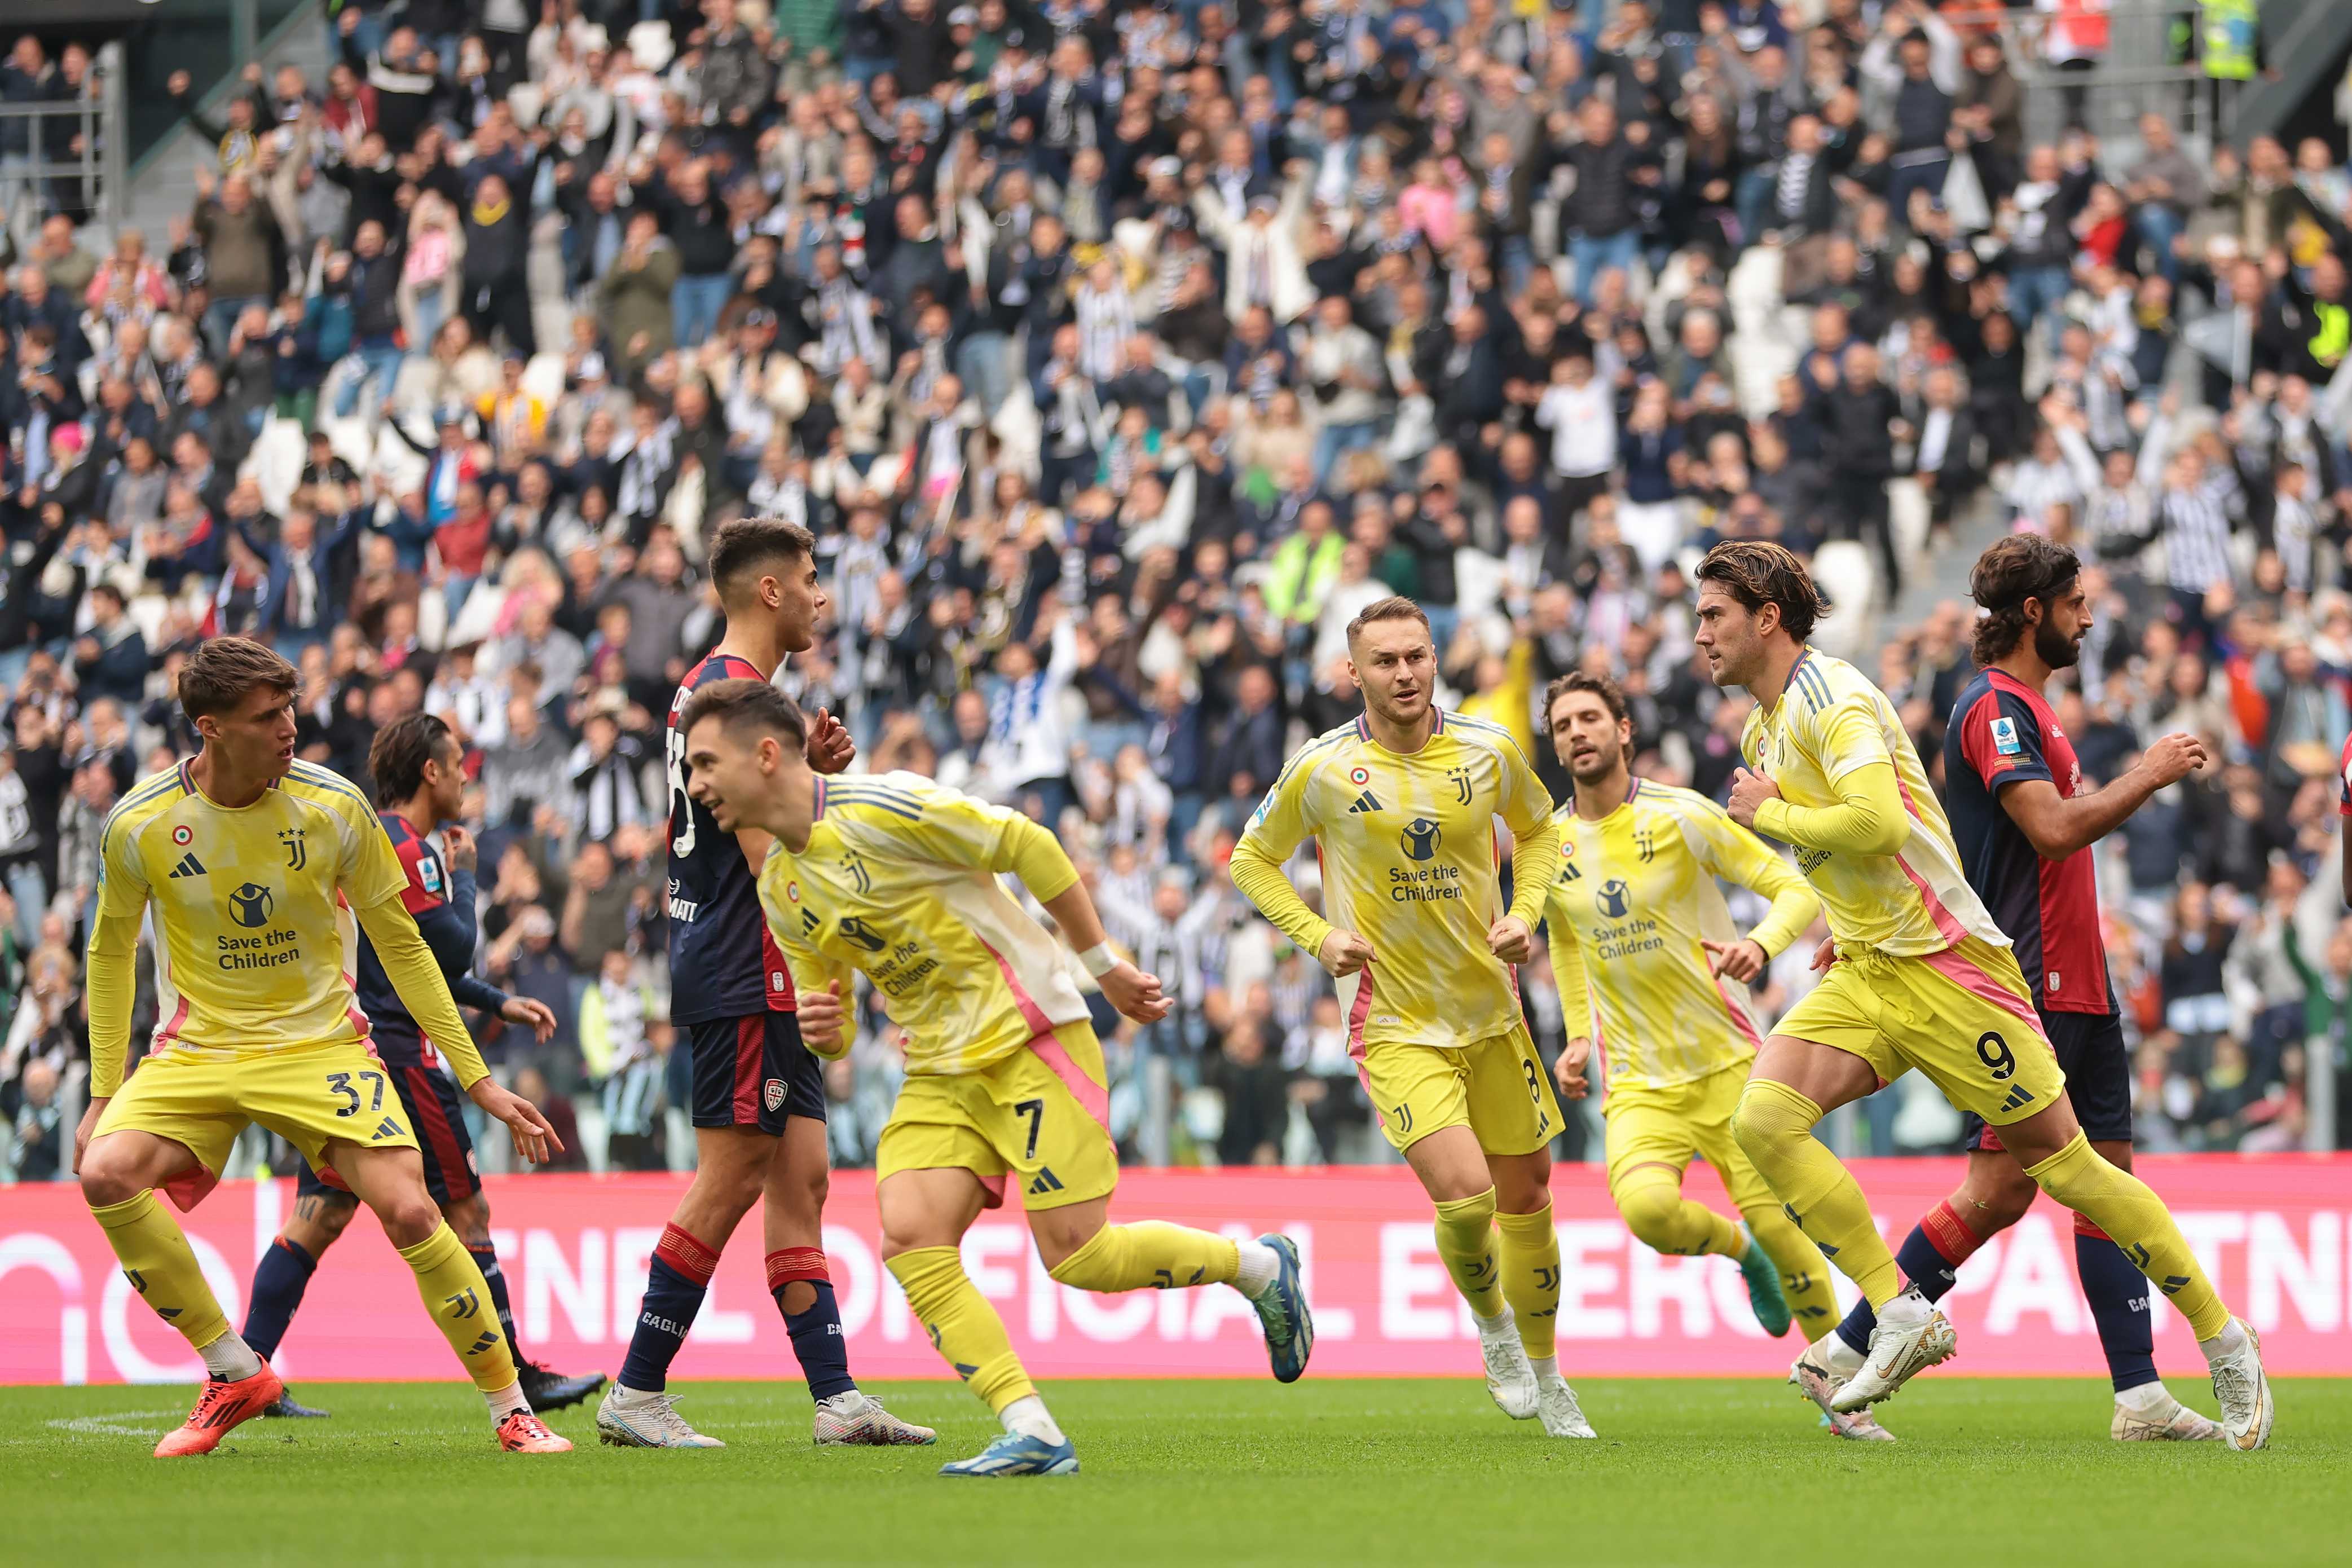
223	1406
523	1433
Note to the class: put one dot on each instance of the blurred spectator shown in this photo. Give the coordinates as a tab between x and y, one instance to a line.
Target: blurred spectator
1117	357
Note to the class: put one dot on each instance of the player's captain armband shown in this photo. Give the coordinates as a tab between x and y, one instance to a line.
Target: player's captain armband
2004	738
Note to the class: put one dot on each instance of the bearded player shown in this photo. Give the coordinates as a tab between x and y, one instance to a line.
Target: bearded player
1918	975
1401	805
1651	966
759	1095
261	873
896	877
418	769
2025	826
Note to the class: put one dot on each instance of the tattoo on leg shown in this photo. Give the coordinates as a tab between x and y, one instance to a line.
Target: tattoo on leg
322	1208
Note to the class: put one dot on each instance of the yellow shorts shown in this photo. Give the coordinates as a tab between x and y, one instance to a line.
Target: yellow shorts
1497	1087
1665	1126
1043	1111
311	1096
1963	1017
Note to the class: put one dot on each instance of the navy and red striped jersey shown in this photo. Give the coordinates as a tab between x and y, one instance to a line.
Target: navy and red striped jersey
2003	733
442	903
2343	778
723	962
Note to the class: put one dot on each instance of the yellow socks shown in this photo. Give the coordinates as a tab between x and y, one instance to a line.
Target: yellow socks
1804	1272
1531	1277
1774	1125
1651	1199
456	1294
963	1327
2122	1205
1150	1252
1465	1240
162	1267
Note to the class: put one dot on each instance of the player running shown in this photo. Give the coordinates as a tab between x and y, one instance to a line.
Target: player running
1401	805
896	877
758	1097
2025	826
1649	962
418	769
1918	975
261	872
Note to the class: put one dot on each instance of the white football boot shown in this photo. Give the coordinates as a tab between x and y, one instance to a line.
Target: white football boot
632	1418
2244	1391
2149	1413
1912	1335
856	1419
1821	1372
1509	1377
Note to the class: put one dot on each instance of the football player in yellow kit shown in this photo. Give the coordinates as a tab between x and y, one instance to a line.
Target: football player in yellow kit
1401	805
1652	969
261	872
1918	975
893	877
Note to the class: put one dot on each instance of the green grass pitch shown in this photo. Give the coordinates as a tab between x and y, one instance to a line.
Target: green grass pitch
1197	1473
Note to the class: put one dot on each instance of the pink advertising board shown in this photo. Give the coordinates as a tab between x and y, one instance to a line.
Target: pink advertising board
2272	1229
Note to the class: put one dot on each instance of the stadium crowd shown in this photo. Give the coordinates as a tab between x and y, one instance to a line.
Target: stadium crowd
1116	354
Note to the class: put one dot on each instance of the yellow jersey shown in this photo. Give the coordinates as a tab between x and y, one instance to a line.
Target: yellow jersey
256	939
899	883
1409	857
1635	895
1831	723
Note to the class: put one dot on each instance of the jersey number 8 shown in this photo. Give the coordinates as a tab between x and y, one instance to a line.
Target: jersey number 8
682	841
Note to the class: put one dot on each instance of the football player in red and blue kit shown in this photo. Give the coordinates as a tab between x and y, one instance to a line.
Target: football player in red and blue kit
2025	826
420	784
759	1094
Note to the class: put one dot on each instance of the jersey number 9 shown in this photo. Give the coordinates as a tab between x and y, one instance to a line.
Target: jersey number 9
1994	1052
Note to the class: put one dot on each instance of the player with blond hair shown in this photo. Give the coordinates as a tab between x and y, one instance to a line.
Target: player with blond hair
1402	804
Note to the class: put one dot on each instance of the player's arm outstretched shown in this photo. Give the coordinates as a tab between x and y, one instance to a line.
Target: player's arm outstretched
2011	762
1277	829
1738	856
960	830
1127	988
1868	818
110	976
374	883
449	930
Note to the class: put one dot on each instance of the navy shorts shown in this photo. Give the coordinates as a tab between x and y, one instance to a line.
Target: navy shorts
2098	1065
754	1071
436	1115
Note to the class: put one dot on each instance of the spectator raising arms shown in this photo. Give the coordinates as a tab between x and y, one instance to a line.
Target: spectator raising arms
1115	357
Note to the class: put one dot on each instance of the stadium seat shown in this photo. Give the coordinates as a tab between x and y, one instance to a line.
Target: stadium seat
649	45
543	377
1849	578
276	462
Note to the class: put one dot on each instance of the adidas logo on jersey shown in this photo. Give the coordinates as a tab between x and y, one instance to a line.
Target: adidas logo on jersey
1366	802
1046	1182
189	866
2018	1095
